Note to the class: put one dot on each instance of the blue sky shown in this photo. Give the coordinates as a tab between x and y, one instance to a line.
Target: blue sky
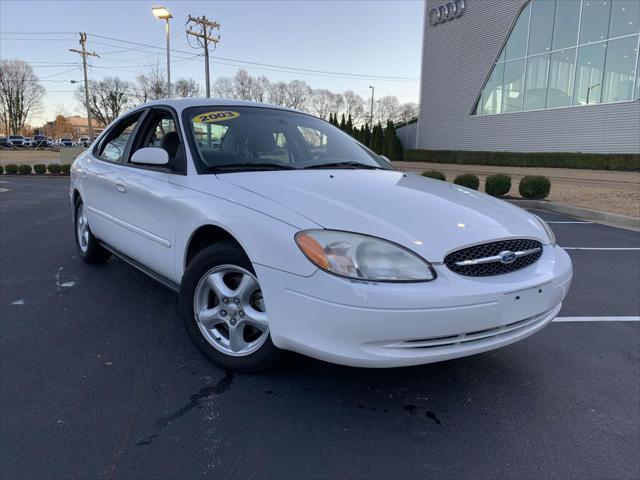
377	38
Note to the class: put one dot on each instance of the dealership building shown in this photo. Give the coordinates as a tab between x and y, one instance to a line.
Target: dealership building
530	76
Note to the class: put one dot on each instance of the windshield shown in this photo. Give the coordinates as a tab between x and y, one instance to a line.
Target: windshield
254	138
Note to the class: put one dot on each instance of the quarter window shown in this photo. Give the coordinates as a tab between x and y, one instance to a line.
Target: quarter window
563	53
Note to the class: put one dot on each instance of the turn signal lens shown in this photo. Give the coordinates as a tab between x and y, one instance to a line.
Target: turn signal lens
363	257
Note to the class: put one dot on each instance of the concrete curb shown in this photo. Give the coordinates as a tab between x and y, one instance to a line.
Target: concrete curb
596	216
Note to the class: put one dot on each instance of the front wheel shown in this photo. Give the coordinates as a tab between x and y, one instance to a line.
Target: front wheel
224	312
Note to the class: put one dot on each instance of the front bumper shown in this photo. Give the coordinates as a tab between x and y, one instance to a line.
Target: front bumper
388	325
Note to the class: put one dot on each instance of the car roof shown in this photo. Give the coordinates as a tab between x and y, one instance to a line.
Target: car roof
182	103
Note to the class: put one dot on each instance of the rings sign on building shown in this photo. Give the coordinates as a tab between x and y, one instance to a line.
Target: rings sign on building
447	11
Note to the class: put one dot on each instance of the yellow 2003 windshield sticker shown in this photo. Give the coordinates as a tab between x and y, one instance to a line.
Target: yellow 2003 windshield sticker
211	117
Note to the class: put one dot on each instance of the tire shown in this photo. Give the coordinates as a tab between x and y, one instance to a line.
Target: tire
202	310
88	246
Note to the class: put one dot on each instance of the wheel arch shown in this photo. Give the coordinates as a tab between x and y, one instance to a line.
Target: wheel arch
204	236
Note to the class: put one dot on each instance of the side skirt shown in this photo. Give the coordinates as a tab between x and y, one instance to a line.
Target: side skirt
156	276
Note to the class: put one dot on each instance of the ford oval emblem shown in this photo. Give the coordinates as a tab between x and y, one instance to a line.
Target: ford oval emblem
507	257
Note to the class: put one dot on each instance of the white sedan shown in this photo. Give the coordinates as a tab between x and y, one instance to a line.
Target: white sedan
280	232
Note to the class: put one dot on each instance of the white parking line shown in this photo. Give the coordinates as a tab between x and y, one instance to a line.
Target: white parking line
588	223
621	249
596	319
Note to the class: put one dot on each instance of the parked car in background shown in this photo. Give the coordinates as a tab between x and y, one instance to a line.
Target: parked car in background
17	140
5	142
65	142
40	141
291	235
84	142
28	142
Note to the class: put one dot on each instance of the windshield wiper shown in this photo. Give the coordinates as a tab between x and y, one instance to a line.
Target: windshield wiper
227	167
349	164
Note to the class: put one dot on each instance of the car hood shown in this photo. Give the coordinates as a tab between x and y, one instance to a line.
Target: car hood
430	217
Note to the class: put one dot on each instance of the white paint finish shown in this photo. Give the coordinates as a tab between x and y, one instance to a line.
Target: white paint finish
457	58
597	319
154	217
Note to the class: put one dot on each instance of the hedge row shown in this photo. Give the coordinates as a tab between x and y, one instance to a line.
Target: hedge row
535	187
589	161
39	169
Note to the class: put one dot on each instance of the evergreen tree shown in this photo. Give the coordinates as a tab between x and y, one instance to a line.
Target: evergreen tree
331	118
366	135
343	124
377	139
349	125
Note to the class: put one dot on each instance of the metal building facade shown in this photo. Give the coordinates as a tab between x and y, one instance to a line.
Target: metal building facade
459	54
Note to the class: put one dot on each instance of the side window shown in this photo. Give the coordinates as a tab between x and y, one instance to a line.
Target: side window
163	125
113	146
315	141
160	131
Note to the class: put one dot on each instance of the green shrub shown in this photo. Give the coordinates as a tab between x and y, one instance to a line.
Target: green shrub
11	169
497	185
40	168
534	187
54	168
65	169
590	161
1	169
435	174
24	169
468	180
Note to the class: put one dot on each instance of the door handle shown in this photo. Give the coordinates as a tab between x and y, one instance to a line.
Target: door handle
120	187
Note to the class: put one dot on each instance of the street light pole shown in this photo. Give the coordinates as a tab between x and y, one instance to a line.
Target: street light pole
371	116
161	13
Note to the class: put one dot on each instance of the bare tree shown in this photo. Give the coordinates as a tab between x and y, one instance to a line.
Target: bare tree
223	88
321	102
388	108
186	87
259	89
150	86
353	105
243	85
278	93
298	93
408	111
20	94
108	98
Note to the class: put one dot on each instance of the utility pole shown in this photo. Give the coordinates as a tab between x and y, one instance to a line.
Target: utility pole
204	37
371	116
84	54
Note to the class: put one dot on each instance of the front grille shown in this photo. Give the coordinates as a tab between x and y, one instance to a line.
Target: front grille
493	267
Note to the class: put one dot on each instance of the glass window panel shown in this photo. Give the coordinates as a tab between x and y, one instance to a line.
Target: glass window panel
561	77
491	102
595	20
620	69
541	30
565	25
535	94
625	18
589	72
513	86
517	44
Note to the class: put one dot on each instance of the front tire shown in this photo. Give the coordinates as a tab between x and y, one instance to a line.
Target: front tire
223	310
88	246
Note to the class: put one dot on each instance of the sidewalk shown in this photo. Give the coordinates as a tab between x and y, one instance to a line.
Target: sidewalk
616	192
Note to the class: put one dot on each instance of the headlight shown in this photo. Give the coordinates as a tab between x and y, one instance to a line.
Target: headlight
547	228
362	257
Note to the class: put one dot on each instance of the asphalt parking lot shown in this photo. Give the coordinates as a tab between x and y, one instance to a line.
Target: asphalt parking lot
99	379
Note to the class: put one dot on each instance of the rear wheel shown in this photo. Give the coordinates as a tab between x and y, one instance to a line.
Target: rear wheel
223	309
87	245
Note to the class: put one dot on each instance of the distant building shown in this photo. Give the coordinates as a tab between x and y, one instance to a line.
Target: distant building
530	76
74	126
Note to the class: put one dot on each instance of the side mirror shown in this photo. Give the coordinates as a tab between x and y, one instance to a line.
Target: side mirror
150	156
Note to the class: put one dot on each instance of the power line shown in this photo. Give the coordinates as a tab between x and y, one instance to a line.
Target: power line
84	54
203	38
